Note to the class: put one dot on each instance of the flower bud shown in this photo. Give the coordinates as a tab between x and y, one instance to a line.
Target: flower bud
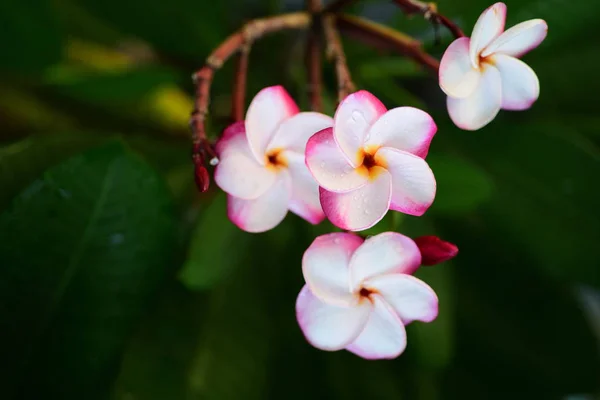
434	250
201	177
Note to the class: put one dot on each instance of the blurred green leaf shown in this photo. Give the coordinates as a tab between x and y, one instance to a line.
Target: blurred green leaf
73	286
461	185
216	247
31	39
390	67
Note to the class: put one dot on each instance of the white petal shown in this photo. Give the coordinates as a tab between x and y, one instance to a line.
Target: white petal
384	336
520	85
328	165
361	208
238	173
487	28
264	212
269	108
352	120
294	132
482	106
305	200
329	327
403	128
519	39
458	77
383	254
413	183
325	267
411	298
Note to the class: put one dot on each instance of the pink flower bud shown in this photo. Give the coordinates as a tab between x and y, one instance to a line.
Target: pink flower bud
434	250
201	177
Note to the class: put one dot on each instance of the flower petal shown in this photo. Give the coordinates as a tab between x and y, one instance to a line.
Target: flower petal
383	337
325	267
294	132
519	39
352	120
361	208
413	183
329	327
264	212
411	298
403	128
269	108
520	85
383	254
487	28
482	106
458	77
305	200
238	173
329	166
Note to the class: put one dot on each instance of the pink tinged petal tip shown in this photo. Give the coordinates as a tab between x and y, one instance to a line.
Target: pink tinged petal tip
383	337
305	200
361	208
326	326
413	183
325	267
264	212
403	128
293	133
482	106
238	173
352	120
269	108
487	28
411	298
520	85
435	250
383	254
519	39
458	77
329	166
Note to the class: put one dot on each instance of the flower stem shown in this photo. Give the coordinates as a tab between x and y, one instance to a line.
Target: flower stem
430	12
313	56
335	52
238	96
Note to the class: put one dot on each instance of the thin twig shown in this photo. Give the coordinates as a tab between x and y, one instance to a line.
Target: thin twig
430	12
238	97
335	52
385	38
313	56
204	76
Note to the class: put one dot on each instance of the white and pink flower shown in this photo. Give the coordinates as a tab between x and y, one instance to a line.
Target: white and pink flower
359	294
372	160
483	74
262	166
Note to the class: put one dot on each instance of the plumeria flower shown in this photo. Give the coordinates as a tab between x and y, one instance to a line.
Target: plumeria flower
483	74
262	165
359	294
372	160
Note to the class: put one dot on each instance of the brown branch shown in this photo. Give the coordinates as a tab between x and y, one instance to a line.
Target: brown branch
313	56
335	52
238	97
204	76
337	5
430	12
385	38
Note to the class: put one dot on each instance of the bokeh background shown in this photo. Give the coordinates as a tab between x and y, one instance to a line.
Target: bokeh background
119	281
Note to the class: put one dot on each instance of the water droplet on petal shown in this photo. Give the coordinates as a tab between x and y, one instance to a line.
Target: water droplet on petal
336	240
367	211
323	164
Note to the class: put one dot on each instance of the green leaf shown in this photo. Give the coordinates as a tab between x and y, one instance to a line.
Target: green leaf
461	185
31	40
83	249
216	247
22	162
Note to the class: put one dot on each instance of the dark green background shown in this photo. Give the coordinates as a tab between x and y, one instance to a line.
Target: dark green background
119	281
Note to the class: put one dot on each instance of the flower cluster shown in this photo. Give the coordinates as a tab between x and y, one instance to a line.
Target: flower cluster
352	169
